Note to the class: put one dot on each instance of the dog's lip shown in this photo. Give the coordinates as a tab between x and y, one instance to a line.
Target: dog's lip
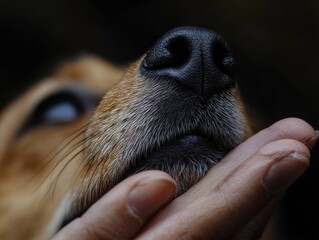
180	149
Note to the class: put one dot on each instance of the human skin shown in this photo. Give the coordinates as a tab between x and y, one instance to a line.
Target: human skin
232	201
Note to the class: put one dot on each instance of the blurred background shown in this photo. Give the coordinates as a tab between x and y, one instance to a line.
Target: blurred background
275	44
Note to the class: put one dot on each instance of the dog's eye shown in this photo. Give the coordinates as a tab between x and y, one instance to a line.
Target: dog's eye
62	107
62	112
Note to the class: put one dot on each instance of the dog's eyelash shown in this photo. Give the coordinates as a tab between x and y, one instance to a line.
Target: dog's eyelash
63	106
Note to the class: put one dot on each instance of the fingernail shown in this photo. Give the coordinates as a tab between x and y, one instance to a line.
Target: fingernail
149	195
283	173
312	140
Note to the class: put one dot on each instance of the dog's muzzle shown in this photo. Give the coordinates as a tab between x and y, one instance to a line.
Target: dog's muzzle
177	110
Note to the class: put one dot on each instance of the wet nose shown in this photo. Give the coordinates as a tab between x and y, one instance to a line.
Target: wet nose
197	58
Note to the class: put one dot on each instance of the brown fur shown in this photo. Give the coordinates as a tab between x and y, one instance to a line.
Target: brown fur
31	165
48	171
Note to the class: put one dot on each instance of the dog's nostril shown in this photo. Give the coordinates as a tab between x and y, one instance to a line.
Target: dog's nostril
223	59
180	50
196	58
173	55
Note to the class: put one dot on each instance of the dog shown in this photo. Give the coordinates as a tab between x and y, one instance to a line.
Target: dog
75	135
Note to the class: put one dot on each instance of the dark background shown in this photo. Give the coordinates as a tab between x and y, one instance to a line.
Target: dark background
275	44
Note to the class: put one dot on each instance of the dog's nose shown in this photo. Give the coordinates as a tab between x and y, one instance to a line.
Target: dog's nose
195	57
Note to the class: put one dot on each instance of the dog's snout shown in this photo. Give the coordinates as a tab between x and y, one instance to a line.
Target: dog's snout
197	58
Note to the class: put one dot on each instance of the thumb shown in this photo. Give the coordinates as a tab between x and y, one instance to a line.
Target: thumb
123	211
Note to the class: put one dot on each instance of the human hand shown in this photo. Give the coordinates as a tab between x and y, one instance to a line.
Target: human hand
229	202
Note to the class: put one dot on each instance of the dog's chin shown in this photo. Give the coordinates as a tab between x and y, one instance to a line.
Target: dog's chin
186	159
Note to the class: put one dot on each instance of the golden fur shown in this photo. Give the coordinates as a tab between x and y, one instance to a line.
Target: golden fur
50	173
32	183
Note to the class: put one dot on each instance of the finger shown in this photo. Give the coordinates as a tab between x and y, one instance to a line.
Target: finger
230	203
123	211
290	128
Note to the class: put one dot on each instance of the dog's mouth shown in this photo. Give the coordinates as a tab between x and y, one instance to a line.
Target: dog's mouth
186	158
